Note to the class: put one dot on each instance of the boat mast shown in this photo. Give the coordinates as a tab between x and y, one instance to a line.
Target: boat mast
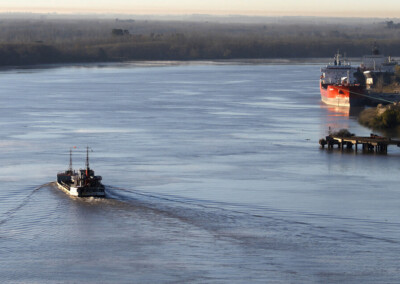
70	160
87	165
87	157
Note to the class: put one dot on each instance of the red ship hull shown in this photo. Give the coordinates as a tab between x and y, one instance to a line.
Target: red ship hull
343	95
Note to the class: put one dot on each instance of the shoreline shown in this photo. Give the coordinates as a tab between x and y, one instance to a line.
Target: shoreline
161	63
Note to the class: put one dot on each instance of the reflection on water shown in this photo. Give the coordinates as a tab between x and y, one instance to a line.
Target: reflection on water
338	111
342	111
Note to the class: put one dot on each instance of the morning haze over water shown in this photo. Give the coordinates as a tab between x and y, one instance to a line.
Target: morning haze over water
206	135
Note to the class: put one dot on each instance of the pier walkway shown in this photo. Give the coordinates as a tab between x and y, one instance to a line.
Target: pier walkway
373	143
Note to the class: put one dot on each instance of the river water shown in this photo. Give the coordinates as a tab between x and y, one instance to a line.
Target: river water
213	175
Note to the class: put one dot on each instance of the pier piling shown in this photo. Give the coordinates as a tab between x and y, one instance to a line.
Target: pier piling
374	143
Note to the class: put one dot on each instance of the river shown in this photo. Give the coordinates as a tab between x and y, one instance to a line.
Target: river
213	174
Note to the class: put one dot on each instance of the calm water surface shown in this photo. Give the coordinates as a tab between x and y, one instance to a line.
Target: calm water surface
213	174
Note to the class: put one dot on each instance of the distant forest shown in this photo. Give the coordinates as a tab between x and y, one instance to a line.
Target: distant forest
39	40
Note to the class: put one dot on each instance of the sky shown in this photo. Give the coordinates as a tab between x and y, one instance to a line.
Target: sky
336	8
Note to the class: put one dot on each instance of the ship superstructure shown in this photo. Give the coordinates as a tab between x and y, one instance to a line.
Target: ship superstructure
81	183
377	62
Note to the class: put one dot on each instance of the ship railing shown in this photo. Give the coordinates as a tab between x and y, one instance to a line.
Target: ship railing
346	64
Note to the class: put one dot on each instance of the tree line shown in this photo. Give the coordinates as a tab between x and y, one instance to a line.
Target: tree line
25	42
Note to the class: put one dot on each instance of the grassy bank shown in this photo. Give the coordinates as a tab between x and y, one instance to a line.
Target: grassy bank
381	117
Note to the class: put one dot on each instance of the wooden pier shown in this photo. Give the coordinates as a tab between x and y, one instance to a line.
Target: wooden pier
374	143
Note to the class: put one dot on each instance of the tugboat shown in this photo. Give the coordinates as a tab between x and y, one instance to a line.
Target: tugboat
82	183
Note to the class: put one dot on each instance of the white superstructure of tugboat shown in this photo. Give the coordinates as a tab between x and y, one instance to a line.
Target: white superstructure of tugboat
82	183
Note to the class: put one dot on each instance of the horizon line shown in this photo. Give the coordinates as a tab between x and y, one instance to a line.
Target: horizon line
199	13
185	12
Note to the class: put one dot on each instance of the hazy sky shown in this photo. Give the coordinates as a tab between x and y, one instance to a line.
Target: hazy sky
337	8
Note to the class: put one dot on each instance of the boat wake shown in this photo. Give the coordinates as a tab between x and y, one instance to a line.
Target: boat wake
237	222
11	212
208	215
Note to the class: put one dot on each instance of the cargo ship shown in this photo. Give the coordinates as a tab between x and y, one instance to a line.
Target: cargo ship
377	62
338	85
81	183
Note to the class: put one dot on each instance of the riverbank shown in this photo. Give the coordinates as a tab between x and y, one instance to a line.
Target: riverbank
35	54
381	117
161	63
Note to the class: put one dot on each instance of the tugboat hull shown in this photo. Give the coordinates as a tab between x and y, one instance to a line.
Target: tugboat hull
83	191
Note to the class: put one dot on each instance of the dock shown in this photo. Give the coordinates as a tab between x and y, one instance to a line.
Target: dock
373	143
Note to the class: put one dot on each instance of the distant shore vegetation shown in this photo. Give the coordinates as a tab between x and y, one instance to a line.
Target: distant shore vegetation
43	41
